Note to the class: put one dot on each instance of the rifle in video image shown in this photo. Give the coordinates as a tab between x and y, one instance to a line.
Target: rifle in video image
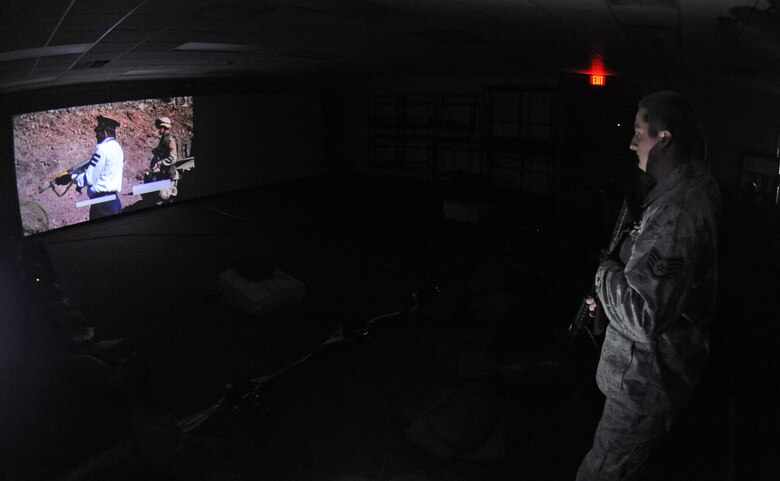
162	183
181	165
65	178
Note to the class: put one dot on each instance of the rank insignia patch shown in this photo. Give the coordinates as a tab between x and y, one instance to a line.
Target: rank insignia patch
663	267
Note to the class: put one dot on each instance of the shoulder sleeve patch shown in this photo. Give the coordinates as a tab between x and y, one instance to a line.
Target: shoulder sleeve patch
663	267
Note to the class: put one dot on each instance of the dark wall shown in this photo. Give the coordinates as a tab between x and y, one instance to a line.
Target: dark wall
248	140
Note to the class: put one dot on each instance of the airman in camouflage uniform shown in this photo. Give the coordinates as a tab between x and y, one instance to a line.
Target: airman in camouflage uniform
658	294
165	156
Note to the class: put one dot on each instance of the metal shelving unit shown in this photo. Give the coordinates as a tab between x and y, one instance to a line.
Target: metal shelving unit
504	137
520	137
760	178
402	131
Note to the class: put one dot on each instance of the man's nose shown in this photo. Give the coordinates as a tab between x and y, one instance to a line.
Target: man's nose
632	145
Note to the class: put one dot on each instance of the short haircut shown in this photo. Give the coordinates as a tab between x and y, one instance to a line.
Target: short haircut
671	111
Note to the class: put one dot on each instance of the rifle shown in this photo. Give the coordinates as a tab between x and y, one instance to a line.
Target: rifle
182	165
69	173
597	319
185	164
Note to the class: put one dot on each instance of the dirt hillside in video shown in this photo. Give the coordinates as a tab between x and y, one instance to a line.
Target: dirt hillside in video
50	142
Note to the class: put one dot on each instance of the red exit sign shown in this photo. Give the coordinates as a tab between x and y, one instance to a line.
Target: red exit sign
598	80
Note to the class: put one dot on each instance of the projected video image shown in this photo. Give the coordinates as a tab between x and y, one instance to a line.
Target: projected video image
82	163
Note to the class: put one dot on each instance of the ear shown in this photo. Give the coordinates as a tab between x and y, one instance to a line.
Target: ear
664	137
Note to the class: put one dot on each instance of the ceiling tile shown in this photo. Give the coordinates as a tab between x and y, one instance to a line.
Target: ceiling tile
672	4
127	36
197	22
449	36
63	61
179	36
10	42
83	36
359	10
100	22
183	7
647	16
140	21
110	7
112	47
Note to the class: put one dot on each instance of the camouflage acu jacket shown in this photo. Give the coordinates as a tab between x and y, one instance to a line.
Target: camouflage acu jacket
660	295
165	152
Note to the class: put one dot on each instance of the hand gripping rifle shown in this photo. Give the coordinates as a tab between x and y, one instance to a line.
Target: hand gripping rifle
597	320
65	178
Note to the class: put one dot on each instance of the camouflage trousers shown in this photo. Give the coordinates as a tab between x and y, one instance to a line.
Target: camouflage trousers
623	442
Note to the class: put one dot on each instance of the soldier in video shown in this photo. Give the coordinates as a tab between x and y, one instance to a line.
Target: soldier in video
164	158
658	293
103	175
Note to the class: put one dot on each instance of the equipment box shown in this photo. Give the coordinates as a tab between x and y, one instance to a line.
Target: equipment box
260	297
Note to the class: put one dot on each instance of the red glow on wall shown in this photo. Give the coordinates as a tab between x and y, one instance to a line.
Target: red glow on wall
596	72
597	67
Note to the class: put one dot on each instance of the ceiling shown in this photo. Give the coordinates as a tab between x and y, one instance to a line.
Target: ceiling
66	42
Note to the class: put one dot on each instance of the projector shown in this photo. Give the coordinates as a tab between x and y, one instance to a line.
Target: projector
257	297
471	213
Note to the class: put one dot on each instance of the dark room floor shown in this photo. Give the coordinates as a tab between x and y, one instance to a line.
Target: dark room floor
439	348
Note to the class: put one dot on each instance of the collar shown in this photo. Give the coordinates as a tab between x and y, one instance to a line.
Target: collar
685	171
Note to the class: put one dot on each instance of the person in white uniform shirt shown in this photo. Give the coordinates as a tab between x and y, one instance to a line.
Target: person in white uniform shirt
103	175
